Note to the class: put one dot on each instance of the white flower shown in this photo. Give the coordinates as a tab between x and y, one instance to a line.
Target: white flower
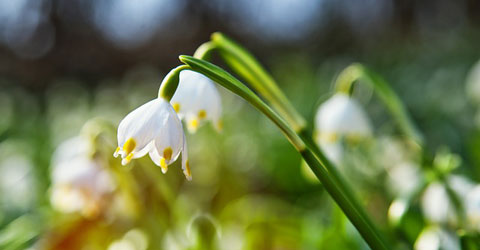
404	178
134	239
472	208
79	182
153	128
340	117
197	100
436	204
435	238
17	181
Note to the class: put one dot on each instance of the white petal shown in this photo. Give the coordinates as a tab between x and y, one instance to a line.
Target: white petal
472	207
170	136
71	148
154	156
143	124
436	204
185	164
434	238
342	115
333	151
197	96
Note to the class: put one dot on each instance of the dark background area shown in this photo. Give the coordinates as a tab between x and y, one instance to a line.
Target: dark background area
44	39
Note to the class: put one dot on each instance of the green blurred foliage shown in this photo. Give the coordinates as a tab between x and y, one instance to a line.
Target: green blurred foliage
248	189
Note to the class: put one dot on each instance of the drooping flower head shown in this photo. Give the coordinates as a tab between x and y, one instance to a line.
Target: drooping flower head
80	183
153	128
197	100
340	117
434	238
472	208
436	202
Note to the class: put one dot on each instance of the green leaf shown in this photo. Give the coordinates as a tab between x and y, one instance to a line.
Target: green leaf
346	201
248	67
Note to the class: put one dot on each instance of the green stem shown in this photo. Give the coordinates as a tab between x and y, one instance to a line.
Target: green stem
355	72
170	83
347	202
245	64
248	67
205	51
308	139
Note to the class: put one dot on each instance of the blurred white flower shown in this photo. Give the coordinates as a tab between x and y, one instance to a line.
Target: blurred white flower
340	117
79	182
436	203
175	241
197	100
472	208
17	183
396	211
404	178
435	238
153	128
461	185
134	239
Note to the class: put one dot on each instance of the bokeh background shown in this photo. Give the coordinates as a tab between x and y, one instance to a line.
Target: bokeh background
66	62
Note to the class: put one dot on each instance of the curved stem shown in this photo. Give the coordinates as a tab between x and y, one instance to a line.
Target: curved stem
348	190
245	64
170	83
347	202
240	60
205	51
354	72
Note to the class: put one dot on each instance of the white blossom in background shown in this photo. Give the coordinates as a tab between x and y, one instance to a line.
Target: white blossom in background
153	128
404	178
396	210
435	238
79	182
472	208
197	100
461	185
436	204
17	183
340	117
134	239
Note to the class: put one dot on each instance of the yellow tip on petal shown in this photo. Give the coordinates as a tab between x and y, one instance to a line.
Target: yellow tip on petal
163	165
115	154
202	114
220	125
176	106
187	172
129	146
193	125
127	159
167	153
329	137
